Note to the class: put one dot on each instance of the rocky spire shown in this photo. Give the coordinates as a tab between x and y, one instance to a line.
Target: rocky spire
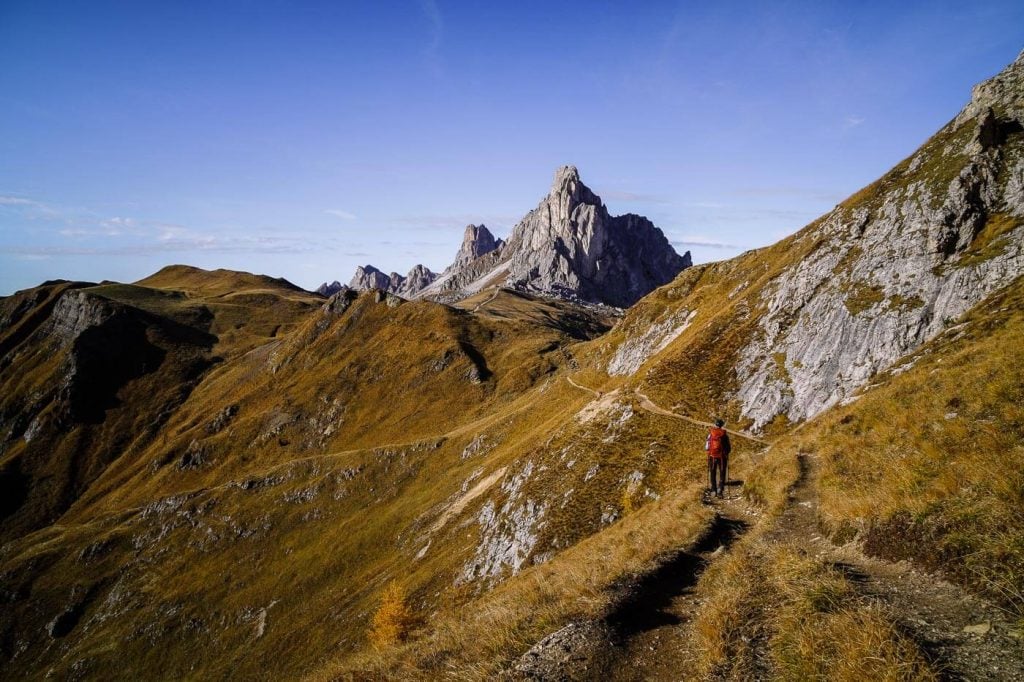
419	278
328	290
570	245
369	277
476	241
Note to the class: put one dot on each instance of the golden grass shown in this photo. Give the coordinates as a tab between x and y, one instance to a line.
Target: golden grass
769	604
930	465
863	296
479	639
991	240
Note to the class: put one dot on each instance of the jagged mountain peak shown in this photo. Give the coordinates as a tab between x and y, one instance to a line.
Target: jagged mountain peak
568	187
571	247
477	241
369	277
329	289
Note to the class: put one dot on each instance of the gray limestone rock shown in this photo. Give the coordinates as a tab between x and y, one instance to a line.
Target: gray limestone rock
368	277
477	241
419	278
895	273
883	273
570	243
329	290
570	247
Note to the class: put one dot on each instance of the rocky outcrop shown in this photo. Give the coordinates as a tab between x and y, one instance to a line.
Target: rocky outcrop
329	290
946	231
569	247
106	375
368	277
476	241
881	274
418	279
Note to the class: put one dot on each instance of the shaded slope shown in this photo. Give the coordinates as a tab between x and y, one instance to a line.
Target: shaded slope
299	450
373	441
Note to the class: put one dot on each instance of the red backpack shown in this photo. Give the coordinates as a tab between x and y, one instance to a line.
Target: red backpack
716	448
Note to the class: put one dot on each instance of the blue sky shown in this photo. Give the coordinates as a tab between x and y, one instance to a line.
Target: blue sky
302	139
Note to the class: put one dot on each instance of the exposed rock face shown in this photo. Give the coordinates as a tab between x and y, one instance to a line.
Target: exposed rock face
508	533
418	279
881	274
899	268
571	247
106	364
477	241
570	243
329	290
636	350
368	277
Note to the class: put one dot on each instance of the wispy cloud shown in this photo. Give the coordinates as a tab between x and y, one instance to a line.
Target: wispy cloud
16	201
338	213
852	121
196	243
706	242
29	208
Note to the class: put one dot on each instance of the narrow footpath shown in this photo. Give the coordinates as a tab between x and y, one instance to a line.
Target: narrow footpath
647	635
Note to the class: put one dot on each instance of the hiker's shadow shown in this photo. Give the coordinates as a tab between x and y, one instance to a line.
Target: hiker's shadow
735	483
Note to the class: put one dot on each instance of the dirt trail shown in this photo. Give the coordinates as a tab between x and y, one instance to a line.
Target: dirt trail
643	636
483	303
647	634
650	627
965	637
596	394
650	406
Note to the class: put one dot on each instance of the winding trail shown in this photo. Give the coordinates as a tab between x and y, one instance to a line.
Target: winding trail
481	304
648	635
596	394
966	637
650	406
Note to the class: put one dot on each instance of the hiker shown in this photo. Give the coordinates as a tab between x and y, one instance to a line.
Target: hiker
718	448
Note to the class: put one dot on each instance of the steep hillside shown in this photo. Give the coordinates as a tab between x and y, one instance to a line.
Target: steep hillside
779	334
342	437
217	475
93	372
792	579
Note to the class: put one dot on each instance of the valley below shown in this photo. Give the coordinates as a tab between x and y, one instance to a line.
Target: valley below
498	471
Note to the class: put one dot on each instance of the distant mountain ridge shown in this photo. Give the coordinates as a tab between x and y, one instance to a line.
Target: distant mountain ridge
216	474
368	277
570	247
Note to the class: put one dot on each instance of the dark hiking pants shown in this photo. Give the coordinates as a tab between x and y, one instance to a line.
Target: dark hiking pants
717	468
